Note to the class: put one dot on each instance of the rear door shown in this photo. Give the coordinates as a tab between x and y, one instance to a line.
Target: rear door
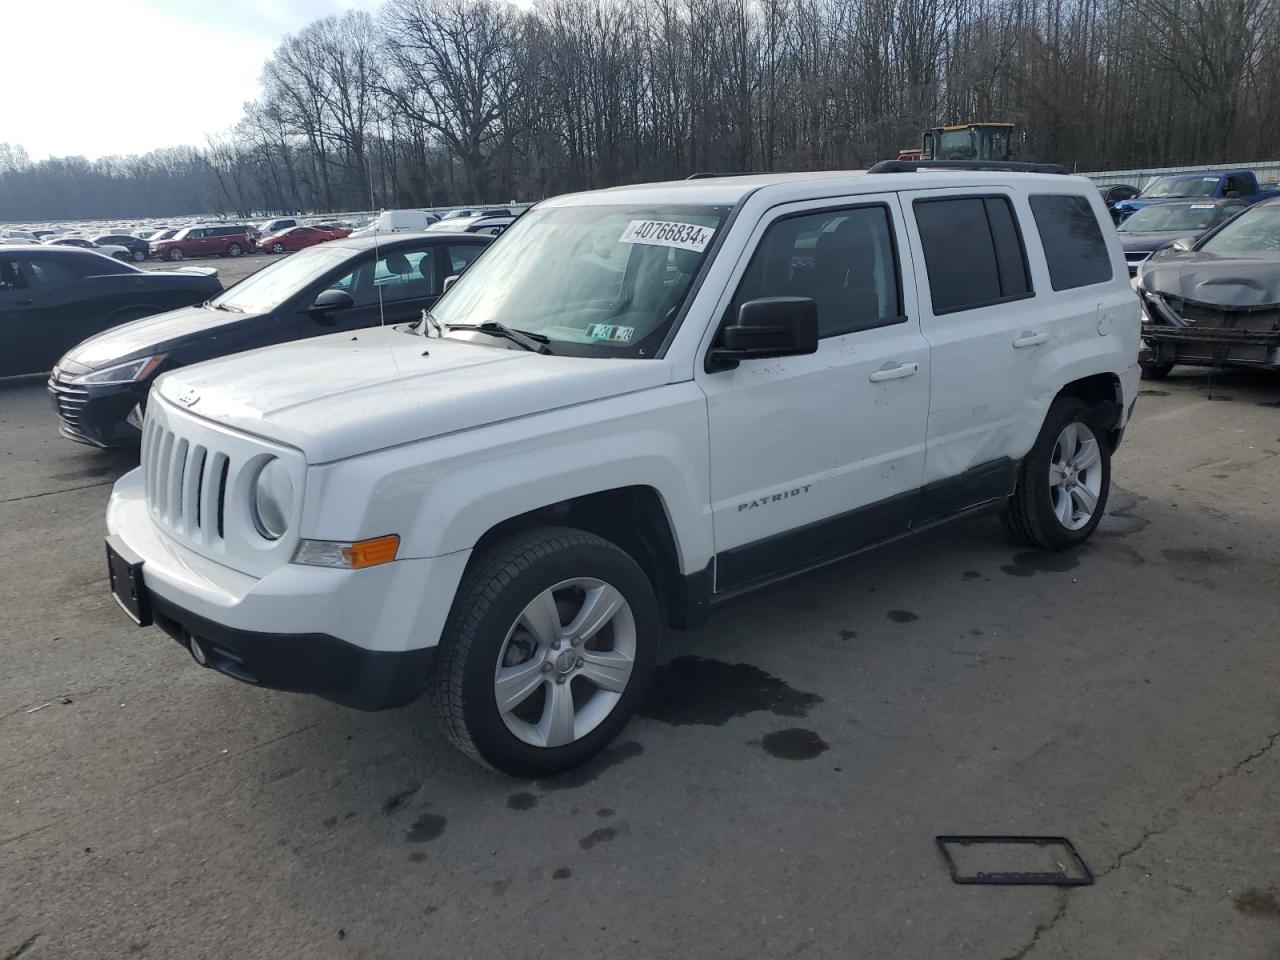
978	311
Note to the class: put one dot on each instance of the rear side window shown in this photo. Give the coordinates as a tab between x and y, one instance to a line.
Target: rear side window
973	252
843	259
1072	241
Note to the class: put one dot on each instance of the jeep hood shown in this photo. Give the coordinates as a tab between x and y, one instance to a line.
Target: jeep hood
351	393
1216	281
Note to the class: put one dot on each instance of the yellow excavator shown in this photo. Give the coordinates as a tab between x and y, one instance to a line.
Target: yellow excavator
985	140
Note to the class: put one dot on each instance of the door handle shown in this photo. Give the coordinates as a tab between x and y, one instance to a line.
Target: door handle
894	373
1029	339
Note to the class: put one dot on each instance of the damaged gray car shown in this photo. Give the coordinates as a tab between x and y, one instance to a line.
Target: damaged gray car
1215	302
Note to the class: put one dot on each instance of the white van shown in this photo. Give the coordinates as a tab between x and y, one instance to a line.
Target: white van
398	221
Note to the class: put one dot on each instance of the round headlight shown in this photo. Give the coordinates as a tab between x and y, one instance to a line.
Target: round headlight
272	499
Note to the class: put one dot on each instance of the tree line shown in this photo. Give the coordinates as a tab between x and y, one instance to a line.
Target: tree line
436	102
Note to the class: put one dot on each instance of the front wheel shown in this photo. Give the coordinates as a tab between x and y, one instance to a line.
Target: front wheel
1154	371
1063	483
547	653
175	254
277	247
139	256
234	250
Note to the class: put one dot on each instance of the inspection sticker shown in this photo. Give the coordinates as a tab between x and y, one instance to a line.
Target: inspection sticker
663	233
609	331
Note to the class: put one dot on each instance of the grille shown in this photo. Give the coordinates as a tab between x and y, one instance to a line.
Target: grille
185	483
69	403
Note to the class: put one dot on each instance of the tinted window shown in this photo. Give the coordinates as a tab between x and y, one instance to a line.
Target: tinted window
461	255
1072	241
400	275
843	259
973	252
11	277
49	275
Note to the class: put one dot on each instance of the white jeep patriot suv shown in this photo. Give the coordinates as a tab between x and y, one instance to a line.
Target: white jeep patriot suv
637	404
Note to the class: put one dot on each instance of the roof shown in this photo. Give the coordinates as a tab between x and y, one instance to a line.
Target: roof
730	190
54	249
368	241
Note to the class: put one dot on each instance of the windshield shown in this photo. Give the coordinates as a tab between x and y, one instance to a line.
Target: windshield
1182	187
271	286
1170	216
1255	233
595	281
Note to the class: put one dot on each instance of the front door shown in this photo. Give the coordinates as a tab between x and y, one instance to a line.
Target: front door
813	457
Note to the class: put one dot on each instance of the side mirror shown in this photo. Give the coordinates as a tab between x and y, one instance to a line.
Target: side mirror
448	282
1183	244
768	327
328	302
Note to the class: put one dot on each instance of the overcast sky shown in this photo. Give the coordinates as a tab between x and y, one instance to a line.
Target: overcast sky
101	77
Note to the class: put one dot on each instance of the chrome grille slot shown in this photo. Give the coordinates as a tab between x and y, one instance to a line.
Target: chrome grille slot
191	466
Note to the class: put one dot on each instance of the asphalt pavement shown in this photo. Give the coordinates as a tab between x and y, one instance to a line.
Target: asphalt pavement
778	798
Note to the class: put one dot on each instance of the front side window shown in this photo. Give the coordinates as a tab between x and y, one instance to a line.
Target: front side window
1072	240
843	260
461	255
1255	233
973	252
602	281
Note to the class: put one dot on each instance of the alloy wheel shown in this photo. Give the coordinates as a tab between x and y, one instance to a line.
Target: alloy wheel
1075	476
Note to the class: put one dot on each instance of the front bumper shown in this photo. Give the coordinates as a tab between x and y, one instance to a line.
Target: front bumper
1212	346
97	415
314	663
362	638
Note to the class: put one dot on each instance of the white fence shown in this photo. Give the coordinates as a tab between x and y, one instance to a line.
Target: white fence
1267	172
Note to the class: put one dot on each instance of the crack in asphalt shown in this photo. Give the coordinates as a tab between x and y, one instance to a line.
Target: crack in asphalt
22	947
54	493
1153	831
1041	929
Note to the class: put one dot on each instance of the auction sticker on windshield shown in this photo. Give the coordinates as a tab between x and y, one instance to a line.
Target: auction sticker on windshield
664	233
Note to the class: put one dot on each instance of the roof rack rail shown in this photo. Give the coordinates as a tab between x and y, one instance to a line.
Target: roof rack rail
910	166
709	176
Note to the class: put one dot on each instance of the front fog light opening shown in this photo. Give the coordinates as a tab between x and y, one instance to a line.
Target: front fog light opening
272	499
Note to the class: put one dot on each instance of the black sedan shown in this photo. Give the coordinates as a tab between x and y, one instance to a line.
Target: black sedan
137	247
1155	227
100	387
52	297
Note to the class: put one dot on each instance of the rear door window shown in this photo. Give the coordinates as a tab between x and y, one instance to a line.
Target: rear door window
461	255
1072	240
973	252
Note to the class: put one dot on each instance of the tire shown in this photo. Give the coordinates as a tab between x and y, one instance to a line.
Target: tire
494	622
1034	514
1155	371
234	250
277	247
139	256
176	254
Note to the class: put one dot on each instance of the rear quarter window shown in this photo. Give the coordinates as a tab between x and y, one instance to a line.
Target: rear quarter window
1072	239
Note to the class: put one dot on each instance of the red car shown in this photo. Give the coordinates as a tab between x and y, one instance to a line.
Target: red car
295	238
210	240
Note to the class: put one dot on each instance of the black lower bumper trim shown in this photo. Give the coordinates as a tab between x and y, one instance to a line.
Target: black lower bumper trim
313	663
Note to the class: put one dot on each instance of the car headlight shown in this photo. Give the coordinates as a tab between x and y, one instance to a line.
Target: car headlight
272	499
125	372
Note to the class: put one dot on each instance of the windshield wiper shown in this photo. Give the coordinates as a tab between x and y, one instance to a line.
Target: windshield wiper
534	342
222	306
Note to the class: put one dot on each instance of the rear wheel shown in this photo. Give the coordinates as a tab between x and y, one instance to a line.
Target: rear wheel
176	254
1063	483
547	653
234	250
139	255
